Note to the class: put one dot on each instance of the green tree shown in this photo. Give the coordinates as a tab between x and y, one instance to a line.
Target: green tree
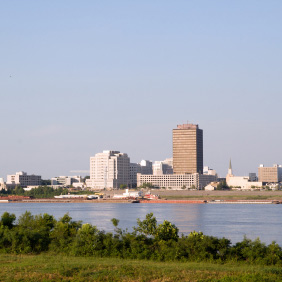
146	185
148	226
222	185
63	234
18	190
7	219
166	231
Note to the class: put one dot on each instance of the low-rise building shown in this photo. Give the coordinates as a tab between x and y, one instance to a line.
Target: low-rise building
241	182
176	181
144	167
65	181
211	186
22	179
270	174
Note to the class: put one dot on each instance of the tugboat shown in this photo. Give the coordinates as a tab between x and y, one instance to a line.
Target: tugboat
150	196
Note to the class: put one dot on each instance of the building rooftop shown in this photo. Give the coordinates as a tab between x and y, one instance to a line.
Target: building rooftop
187	126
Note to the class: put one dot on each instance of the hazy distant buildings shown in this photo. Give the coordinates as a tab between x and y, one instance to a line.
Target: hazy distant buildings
109	169
270	174
158	168
209	171
22	179
146	167
241	182
67	181
163	167
2	184
187	149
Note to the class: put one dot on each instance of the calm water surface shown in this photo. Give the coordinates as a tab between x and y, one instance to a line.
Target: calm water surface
232	221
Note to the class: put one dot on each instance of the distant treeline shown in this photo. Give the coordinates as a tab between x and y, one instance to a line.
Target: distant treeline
40	192
34	234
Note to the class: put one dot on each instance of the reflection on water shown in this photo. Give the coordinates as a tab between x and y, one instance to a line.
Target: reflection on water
222	220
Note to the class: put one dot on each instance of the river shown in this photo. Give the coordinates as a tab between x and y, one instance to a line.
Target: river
231	221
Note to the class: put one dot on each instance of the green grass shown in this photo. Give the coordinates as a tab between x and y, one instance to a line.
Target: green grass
60	268
225	197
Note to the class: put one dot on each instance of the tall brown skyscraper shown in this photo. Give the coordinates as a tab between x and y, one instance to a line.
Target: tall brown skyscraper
187	149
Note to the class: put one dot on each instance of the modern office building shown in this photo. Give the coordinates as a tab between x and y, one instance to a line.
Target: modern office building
144	167
22	179
134	168
176	181
185	170
270	174
109	169
187	149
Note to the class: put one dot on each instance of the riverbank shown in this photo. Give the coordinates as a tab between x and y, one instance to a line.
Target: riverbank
144	201
218	195
66	268
174	196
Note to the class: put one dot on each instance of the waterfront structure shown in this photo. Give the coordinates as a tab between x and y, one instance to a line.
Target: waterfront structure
241	182
176	181
187	149
108	170
22	179
270	174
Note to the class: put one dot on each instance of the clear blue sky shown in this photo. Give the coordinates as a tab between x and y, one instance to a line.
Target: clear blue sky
79	77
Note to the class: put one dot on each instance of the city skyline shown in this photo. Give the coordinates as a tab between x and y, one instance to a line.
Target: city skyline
79	79
184	135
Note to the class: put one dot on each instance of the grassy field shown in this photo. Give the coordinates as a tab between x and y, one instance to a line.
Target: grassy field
60	268
211	195
225	197
221	195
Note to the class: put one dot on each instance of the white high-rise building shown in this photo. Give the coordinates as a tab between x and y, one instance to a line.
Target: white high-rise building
109	169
